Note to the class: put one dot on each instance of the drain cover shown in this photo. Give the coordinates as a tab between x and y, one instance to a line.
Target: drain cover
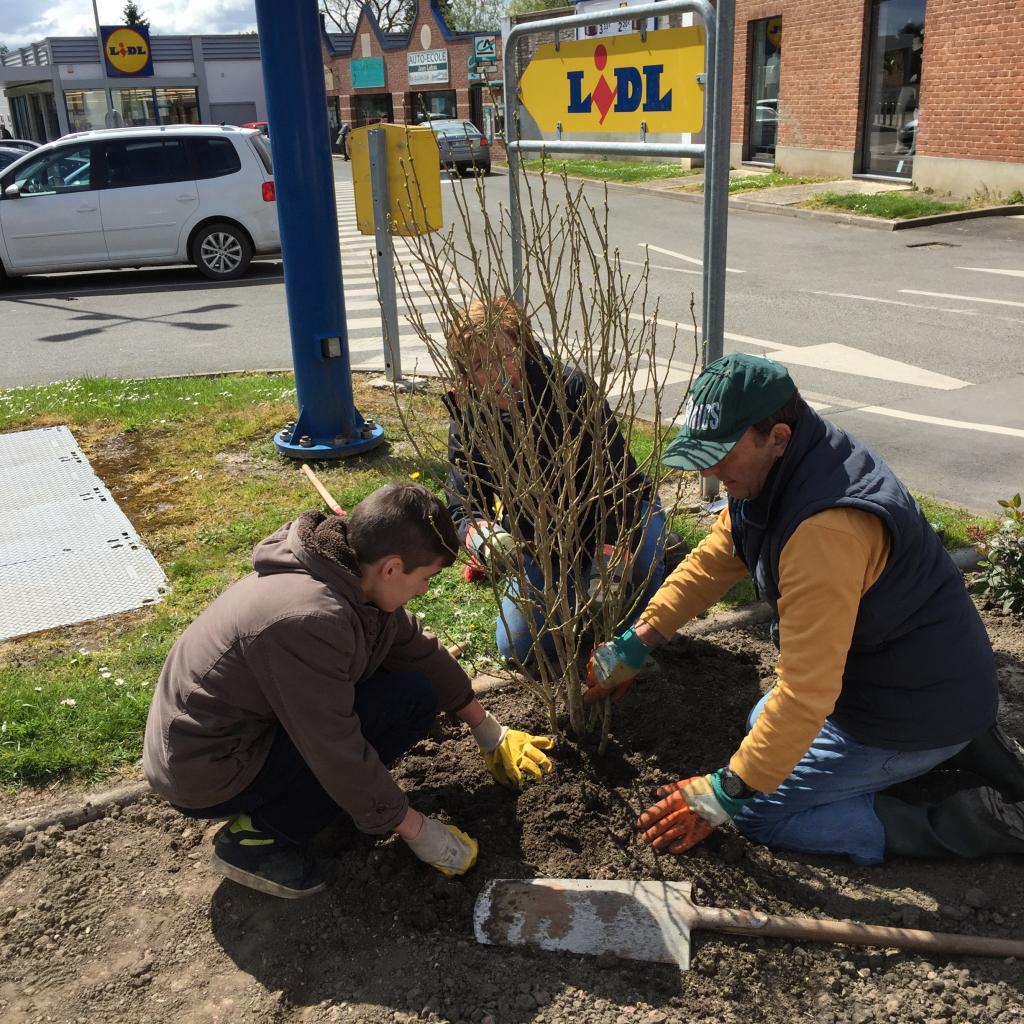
67	552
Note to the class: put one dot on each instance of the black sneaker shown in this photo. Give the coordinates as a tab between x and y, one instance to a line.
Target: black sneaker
256	859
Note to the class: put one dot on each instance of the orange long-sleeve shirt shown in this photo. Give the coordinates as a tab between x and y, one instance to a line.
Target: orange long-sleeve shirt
826	566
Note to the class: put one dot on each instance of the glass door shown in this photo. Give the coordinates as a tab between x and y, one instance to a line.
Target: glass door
895	58
763	112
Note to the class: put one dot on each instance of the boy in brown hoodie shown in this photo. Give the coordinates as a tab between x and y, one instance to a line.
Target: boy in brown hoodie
288	698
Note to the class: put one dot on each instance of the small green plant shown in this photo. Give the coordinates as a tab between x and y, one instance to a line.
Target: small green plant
1001	579
1015	198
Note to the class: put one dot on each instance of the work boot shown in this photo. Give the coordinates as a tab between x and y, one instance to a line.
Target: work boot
997	758
973	822
256	859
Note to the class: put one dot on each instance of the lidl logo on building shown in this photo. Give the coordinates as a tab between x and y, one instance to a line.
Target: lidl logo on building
126	51
617	83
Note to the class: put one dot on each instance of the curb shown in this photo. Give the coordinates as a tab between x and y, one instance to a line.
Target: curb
72	816
824	216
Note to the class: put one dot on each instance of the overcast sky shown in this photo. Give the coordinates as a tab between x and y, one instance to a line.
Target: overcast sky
27	21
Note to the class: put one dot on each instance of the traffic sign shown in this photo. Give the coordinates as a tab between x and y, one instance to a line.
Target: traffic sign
615	84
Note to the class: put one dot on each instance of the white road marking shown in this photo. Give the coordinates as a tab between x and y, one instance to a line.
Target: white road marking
422	301
918	305
361	323
653	266
680	256
941	421
963	298
993	270
842	359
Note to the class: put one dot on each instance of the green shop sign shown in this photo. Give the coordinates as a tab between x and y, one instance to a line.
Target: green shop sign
367	73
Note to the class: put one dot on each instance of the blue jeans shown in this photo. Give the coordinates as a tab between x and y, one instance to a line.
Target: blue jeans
513	630
396	710
827	804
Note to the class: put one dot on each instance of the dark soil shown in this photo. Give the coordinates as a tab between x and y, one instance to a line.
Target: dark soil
121	919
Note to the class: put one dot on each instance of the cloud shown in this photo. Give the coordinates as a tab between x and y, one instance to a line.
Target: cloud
26	21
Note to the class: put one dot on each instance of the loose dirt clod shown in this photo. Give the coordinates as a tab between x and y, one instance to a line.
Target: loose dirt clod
120	920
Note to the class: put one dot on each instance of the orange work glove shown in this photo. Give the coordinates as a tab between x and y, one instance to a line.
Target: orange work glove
690	810
613	667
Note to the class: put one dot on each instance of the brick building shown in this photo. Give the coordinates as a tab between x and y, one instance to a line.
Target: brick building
407	77
928	90
925	89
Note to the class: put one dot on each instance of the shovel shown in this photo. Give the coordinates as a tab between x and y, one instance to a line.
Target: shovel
653	921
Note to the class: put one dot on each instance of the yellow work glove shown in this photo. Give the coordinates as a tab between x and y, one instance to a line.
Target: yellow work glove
510	754
444	847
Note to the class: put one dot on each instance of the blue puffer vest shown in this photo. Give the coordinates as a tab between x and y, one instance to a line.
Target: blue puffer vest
920	673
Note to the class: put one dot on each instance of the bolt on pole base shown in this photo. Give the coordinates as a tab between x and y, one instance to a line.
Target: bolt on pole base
314	449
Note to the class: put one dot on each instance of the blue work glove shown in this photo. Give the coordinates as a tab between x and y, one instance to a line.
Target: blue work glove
613	667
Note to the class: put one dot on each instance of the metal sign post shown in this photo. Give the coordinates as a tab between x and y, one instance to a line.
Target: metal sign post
642	82
385	253
328	425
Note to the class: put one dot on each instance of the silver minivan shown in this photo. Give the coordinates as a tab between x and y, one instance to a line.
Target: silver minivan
134	197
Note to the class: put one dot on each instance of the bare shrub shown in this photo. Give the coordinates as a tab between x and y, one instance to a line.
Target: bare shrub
588	312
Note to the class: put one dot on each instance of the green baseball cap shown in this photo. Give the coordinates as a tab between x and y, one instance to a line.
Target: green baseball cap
732	394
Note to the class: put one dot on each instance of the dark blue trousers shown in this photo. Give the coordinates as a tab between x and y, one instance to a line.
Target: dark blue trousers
396	711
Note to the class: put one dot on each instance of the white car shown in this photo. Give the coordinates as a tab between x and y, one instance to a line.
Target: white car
134	197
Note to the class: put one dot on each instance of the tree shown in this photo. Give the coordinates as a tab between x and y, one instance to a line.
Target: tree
528	6
474	15
133	16
391	15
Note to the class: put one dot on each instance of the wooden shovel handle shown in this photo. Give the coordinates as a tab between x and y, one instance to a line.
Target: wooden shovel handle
748	922
322	491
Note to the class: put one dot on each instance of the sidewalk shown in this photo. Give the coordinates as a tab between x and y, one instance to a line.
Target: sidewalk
786	200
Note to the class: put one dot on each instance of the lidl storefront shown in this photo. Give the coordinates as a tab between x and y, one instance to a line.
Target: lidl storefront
62	85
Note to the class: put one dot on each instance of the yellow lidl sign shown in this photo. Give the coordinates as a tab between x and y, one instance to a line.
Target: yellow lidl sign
613	84
126	51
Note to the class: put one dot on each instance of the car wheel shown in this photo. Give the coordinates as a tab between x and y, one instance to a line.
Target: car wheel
222	252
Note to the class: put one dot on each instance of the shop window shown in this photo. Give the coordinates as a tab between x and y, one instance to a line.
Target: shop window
372	109
895	62
177	106
87	109
763	106
137	106
434	105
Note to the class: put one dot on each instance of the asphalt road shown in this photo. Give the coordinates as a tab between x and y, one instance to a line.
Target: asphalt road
912	340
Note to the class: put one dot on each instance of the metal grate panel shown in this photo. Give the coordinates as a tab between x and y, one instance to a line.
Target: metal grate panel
67	551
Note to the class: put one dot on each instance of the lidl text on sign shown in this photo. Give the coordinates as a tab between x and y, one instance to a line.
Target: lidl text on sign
126	51
615	84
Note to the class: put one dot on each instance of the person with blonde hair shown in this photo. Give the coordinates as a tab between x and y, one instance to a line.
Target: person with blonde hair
539	420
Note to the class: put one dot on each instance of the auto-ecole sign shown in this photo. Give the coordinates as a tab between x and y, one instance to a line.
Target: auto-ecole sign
427	67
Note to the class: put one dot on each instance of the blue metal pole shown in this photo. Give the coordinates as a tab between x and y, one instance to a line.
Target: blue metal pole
328	425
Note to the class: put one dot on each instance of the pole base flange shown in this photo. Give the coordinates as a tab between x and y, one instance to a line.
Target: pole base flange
334	449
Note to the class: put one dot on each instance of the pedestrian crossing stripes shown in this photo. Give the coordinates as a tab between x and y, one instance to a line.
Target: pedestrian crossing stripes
365	332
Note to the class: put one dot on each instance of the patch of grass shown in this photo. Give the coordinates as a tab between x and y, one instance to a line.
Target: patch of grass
609	170
956	526
752	182
775	179
889	205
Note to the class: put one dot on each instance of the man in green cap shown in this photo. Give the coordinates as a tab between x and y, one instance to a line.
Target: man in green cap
884	671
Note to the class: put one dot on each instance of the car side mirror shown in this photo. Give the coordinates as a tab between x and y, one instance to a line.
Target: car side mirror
12	192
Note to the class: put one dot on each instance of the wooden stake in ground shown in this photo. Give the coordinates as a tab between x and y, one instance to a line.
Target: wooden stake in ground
322	491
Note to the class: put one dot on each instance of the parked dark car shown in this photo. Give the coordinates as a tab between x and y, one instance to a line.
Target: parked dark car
25	145
462	145
8	154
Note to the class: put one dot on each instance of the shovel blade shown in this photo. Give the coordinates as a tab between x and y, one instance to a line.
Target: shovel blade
632	920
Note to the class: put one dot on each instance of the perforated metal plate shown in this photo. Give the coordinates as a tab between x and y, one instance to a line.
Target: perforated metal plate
67	552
